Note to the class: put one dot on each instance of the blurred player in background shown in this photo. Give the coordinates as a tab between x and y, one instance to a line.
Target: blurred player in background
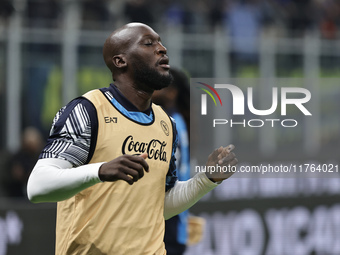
23	161
175	99
110	159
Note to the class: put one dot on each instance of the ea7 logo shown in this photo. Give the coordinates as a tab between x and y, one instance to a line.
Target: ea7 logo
238	100
110	119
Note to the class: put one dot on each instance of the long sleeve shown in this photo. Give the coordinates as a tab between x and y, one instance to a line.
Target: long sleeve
186	193
61	171
54	180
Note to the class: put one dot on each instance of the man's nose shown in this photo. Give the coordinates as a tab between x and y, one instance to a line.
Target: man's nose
161	49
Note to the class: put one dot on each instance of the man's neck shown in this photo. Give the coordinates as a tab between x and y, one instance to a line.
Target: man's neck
139	98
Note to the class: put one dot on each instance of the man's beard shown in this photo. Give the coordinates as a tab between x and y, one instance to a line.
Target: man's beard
151	77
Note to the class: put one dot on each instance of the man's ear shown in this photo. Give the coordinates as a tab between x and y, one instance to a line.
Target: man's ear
119	61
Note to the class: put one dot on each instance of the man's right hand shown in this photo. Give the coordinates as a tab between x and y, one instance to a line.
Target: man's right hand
126	167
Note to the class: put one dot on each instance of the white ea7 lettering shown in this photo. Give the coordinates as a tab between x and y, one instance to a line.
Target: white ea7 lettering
238	100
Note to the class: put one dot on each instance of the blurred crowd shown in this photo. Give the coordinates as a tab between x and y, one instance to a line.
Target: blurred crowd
290	17
16	167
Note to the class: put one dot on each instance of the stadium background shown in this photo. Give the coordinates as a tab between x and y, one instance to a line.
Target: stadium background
50	52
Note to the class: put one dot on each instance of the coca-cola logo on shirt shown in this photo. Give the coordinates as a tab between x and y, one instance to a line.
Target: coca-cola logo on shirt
155	148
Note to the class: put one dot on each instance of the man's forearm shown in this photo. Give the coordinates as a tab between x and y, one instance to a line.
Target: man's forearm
54	180
186	193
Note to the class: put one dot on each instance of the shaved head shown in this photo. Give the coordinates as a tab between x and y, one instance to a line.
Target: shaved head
119	42
135	55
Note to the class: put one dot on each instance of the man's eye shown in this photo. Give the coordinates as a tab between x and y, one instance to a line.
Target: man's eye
148	43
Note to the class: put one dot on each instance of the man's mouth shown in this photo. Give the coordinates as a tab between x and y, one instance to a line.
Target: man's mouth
164	62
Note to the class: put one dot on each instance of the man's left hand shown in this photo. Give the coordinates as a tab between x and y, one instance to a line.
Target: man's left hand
224	158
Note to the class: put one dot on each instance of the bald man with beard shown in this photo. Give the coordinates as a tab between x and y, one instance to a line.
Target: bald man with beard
109	161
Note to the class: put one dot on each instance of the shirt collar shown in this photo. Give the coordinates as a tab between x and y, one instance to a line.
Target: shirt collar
124	101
